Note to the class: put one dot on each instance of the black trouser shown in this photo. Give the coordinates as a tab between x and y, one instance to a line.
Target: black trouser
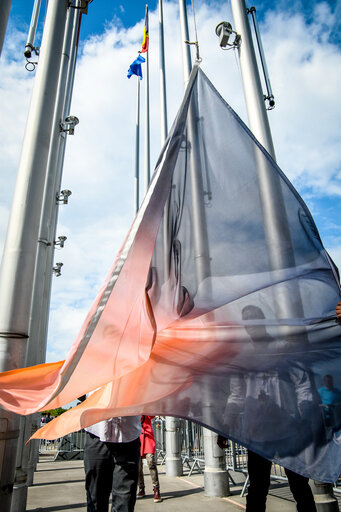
111	467
259	478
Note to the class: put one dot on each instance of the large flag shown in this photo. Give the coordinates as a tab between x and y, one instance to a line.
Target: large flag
219	308
136	68
145	39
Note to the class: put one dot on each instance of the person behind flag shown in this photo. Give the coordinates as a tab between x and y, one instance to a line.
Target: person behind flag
252	397
331	400
145	39
148	452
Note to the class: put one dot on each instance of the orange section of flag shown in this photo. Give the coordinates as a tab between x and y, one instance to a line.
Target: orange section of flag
145	40
180	354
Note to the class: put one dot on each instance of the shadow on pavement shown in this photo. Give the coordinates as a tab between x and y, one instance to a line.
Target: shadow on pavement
58	507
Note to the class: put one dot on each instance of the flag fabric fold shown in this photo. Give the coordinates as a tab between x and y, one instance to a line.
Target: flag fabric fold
197	319
136	68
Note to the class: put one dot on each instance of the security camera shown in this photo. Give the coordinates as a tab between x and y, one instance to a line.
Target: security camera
69	124
72	120
28	51
61	241
224	31
63	197
57	269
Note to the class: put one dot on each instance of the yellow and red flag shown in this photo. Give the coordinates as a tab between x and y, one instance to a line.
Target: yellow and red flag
145	40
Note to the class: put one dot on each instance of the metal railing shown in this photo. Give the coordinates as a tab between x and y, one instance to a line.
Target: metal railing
193	446
192	451
67	447
159	426
337	486
46	446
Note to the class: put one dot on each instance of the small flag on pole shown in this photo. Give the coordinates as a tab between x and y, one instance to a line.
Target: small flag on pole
145	40
136	68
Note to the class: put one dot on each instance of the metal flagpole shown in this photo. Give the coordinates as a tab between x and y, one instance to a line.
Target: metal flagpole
257	115
164	133
17	269
64	124
186	52
5	7
274	214
173	448
270	97
163	95
137	147
275	219
27	454
29	47
147	130
173	445
215	474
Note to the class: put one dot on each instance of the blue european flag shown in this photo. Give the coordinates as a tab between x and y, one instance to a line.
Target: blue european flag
136	68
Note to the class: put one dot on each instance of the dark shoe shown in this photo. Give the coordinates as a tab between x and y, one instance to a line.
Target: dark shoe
157	496
141	493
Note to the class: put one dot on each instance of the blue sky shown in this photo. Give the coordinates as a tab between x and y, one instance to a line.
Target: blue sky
101	12
302	44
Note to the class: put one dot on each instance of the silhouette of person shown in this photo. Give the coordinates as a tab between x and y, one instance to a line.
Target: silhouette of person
330	396
267	406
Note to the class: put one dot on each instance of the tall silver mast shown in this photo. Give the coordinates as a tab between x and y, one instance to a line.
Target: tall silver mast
275	218
257	115
173	445
147	130
33	28
163	94
5	7
137	149
186	52
27	454
63	125
164	133
215	475
173	448
270	97
276	225
17	269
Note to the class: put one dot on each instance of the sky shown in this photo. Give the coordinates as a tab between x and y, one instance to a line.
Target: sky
302	44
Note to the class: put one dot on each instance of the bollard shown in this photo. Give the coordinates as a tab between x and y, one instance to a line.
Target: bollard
324	497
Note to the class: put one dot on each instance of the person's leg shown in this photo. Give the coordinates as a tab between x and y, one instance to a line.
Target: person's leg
98	474
150	457
141	493
154	475
300	488
126	458
259	479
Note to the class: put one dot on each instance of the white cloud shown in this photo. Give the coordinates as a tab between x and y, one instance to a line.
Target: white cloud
306	77
99	164
335	254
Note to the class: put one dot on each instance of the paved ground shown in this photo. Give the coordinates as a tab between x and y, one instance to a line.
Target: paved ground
59	486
